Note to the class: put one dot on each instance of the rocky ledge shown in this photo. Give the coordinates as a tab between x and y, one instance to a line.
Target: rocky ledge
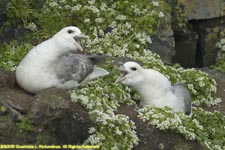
50	117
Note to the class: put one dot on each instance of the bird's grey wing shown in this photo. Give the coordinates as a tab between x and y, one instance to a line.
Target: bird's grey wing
180	91
97	72
74	67
97	58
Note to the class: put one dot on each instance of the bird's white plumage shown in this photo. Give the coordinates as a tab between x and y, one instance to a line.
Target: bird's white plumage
38	69
154	88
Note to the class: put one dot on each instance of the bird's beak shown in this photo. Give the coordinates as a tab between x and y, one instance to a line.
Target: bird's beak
122	77
77	38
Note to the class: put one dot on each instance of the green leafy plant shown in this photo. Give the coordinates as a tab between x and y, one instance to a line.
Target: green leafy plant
25	124
220	63
201	125
12	53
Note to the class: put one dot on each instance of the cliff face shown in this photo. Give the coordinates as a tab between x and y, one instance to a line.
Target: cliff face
196	43
51	118
46	118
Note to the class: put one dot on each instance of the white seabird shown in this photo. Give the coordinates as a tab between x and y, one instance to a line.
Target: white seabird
51	64
154	88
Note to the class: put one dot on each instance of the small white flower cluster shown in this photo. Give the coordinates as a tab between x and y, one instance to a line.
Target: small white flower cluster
32	26
143	38
220	62
189	126
221	45
101	110
121	17
138	11
165	118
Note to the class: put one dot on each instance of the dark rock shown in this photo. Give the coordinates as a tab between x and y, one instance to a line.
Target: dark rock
7	79
155	139
196	46
164	47
163	42
13	32
204	9
198	26
3	9
185	47
49	117
209	33
220	80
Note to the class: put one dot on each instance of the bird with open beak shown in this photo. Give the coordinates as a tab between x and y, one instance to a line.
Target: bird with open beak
154	88
51	64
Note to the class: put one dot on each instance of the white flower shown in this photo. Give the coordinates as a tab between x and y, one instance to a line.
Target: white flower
99	20
63	1
222	41
113	24
93	139
103	7
161	14
101	32
91	130
115	148
223	48
94	9
87	20
149	40
32	26
77	7
121	17
219	45
155	3
53	4
91	2
137	45
118	131
67	7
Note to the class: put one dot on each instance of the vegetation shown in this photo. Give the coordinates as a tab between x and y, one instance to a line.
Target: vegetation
220	63
117	28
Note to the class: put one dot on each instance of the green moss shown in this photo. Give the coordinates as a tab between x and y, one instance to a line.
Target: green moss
25	125
12	53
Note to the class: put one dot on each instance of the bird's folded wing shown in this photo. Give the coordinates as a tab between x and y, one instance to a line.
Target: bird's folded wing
181	92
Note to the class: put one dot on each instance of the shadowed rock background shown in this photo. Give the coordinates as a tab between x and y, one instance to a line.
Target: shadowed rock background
51	118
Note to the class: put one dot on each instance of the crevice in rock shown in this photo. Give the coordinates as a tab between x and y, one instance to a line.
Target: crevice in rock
199	55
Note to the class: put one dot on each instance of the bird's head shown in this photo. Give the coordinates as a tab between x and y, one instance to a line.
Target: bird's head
132	74
69	38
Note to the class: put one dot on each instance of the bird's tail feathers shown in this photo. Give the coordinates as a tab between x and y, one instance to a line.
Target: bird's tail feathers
97	72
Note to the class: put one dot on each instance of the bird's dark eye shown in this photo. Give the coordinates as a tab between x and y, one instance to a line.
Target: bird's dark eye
70	31
133	68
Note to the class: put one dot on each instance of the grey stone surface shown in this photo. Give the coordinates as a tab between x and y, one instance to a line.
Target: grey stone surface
163	42
204	9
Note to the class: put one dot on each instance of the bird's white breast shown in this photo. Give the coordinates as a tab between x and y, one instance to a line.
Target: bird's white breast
36	70
156	90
